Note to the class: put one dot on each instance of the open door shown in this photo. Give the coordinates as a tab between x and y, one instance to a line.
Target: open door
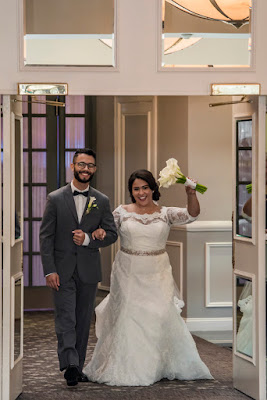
249	370
12	249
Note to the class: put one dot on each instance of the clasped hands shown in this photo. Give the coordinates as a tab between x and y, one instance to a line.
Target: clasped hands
79	235
52	280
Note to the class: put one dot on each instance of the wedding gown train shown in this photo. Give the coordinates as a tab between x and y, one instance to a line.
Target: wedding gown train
141	336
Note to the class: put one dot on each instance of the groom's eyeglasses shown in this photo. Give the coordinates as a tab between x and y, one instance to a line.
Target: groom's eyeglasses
82	165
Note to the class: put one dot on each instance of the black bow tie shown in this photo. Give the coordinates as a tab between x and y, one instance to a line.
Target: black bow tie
76	193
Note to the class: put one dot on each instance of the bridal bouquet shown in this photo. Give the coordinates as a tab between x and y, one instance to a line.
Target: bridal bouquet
249	188
172	174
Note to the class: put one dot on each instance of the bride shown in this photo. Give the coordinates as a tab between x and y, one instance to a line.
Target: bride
141	336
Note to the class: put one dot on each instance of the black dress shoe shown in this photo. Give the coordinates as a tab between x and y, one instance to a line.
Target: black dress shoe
71	375
82	377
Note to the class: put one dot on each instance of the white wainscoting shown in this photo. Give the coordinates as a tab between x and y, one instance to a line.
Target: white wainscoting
218	274
175	252
209	324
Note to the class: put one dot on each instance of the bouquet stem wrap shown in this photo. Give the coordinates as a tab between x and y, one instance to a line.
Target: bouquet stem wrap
172	174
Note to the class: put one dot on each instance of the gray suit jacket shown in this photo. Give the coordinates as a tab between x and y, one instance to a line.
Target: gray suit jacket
58	251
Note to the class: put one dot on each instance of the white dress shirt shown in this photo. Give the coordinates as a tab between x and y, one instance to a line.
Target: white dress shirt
80	202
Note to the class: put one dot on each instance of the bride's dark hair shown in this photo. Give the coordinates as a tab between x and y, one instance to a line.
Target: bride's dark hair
146	176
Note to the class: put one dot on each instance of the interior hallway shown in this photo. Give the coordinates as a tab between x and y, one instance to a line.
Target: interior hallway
43	380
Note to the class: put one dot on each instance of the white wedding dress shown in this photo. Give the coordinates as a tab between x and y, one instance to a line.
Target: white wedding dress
141	336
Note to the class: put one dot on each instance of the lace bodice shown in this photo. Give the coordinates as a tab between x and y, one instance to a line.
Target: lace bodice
148	232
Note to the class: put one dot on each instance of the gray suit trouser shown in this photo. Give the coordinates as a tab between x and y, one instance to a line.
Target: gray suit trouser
74	305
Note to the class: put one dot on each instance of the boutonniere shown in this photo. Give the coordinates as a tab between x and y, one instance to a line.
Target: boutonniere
91	205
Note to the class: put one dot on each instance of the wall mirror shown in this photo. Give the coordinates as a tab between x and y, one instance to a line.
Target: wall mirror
68	33
17	318
211	34
244	178
244	306
17	174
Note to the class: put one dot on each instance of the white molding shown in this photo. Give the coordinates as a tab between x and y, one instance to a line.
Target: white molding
209	324
205	226
208	303
181	274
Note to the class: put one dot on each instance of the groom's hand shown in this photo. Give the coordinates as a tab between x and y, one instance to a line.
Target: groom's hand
52	281
78	237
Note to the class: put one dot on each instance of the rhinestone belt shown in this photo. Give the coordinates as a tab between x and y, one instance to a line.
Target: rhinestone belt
143	253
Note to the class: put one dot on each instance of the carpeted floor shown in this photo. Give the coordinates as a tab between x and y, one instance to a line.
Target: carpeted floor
42	379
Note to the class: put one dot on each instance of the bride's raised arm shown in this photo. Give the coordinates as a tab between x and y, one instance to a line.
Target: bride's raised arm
180	216
192	202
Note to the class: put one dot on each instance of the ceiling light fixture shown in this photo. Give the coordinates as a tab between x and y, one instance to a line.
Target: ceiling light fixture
233	12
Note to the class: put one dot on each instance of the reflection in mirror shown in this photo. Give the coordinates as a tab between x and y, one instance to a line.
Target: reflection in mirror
244	178
203	34
244	316
17	319
18	182
69	32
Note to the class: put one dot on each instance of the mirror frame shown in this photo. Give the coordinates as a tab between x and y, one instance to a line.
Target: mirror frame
245	275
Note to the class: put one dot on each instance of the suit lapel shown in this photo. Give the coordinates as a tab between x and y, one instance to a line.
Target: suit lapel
70	201
90	193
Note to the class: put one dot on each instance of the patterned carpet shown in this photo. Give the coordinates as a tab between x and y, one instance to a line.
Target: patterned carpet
42	379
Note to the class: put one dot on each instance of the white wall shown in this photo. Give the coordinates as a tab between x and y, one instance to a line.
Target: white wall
210	155
138	28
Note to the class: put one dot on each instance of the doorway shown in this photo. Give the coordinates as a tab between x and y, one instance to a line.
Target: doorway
51	135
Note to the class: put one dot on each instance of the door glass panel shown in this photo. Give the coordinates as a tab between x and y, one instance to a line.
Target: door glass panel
244	316
25	132
198	34
75	105
38	201
39	167
68	160
74	136
38	278
35	236
25	167
26	236
25	201
38	133
26	270
37	108
69	32
244	178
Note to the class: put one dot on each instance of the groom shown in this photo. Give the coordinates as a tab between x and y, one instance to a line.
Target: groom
70	238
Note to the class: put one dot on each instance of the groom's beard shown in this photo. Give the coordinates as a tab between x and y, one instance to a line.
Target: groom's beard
83	179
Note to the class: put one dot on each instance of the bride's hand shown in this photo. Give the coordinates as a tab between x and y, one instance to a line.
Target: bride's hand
189	190
99	234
